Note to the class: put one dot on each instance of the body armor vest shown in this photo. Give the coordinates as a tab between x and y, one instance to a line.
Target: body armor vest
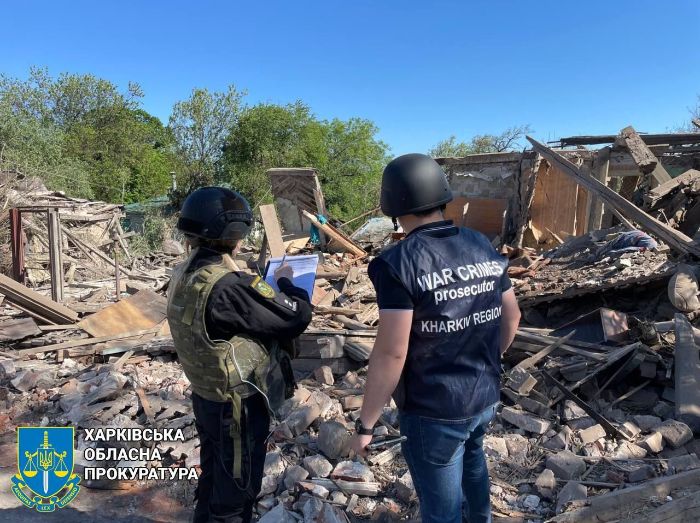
222	370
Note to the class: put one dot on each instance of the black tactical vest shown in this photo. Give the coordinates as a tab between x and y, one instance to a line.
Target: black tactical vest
454	276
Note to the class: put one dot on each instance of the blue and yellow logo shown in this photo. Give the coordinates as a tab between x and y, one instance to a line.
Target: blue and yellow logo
45	478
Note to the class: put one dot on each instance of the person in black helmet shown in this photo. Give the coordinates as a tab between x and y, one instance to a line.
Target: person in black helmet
446	314
222	320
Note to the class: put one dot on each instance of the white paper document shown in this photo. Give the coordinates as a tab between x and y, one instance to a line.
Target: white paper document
304	268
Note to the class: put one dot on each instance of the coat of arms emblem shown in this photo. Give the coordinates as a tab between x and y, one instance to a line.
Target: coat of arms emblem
45	478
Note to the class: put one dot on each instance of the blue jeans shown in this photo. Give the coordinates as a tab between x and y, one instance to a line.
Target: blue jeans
448	466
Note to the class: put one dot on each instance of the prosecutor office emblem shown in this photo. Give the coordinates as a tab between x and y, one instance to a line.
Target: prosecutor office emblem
263	287
45	478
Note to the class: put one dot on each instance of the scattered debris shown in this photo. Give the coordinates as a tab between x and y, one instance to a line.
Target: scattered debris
601	407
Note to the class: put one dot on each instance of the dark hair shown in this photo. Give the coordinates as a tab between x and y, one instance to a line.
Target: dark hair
430	211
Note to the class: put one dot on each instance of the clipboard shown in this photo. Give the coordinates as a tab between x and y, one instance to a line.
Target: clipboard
304	271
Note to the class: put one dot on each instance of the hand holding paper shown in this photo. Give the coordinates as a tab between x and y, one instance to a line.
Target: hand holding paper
284	271
301	271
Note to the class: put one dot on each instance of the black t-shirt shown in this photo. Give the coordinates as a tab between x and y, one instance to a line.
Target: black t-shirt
453	280
391	293
236	306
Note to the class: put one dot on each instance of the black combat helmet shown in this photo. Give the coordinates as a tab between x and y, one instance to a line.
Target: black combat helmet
413	183
215	213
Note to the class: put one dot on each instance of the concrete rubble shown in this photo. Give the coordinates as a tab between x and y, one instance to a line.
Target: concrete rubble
597	390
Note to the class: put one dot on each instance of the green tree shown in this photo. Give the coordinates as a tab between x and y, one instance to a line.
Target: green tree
82	135
347	154
200	126
269	135
355	158
481	143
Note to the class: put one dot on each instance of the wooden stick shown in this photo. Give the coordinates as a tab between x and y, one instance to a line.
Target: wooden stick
530	362
147	409
122	359
87	341
336	235
116	270
337	310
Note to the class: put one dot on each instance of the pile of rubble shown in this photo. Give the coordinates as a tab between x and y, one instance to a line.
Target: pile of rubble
601	392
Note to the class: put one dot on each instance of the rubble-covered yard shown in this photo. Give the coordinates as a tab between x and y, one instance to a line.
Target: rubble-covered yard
601	398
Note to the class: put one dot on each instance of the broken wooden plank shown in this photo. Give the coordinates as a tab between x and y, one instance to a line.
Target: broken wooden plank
273	232
530	362
337	310
655	194
145	405
616	505
610	429
122	359
352	324
44	307
86	341
55	255
687	374
52	328
675	239
649	139
601	166
345	242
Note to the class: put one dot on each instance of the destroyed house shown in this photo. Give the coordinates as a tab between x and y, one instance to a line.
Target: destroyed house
520	199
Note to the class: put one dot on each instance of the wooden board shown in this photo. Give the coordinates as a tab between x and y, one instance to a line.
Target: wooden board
272	230
555	204
335	235
39	306
482	214
143	310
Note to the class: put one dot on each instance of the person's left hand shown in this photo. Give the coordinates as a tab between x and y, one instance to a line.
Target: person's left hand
359	443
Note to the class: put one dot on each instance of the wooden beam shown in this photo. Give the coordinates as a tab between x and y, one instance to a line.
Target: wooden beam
336	235
601	167
273	232
686	374
55	255
530	362
86	341
618	504
642	156
687	178
526	194
649	139
675	239
28	299
660	174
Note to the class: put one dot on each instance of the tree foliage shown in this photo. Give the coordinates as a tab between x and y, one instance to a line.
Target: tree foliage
82	135
200	126
481	143
347	155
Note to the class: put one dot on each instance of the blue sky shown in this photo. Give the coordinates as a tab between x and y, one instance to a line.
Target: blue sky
420	70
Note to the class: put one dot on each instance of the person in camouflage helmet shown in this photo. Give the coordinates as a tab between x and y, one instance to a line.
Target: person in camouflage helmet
232	334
